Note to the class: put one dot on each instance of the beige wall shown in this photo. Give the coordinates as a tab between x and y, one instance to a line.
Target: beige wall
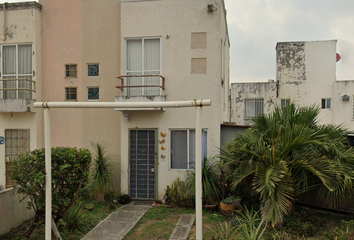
12	212
23	26
82	32
175	22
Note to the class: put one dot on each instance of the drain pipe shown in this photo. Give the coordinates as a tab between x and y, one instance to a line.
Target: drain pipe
198	104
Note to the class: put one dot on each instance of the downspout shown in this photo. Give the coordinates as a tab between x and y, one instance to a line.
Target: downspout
277	88
4	10
230	104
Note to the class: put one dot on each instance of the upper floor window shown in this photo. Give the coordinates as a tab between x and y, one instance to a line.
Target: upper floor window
70	93
253	107
93	70
143	58
16	63
71	70
326	103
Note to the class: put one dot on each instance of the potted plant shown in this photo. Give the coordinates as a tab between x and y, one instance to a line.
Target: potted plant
229	204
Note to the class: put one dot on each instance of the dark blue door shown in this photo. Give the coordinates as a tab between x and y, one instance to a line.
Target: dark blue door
142	164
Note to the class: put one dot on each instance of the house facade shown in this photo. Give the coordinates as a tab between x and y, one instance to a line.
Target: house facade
123	51
21	83
306	75
180	51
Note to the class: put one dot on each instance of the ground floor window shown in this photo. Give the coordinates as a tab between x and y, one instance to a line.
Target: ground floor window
183	148
17	141
253	107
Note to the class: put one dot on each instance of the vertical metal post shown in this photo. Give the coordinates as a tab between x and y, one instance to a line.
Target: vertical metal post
48	170
198	174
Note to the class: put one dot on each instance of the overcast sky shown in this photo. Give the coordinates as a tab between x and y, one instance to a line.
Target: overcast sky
255	26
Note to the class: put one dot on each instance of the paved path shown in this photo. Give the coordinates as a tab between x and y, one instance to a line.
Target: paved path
118	223
183	227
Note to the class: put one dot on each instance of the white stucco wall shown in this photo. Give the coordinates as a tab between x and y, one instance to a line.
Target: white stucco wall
174	22
242	91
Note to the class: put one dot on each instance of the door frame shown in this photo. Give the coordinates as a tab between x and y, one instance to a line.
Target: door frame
155	161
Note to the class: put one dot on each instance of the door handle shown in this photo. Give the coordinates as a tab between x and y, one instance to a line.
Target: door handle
152	170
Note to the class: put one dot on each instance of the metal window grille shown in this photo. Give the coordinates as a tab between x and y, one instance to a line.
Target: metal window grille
253	107
71	93
71	70
285	102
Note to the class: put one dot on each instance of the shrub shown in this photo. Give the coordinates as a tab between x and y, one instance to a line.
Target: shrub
73	219
212	188
103	172
177	195
70	170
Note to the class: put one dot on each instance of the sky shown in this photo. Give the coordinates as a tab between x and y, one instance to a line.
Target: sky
255	27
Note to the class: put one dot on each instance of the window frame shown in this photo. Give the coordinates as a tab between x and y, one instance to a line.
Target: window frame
87	93
204	154
66	94
68	71
254	102
142	71
324	103
17	75
286	101
87	68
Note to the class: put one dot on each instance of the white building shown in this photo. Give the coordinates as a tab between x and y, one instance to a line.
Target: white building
186	44
306	74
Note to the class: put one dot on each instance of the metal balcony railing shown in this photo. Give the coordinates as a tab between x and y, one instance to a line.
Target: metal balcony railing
17	88
144	82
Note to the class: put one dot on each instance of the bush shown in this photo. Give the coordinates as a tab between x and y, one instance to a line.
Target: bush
70	170
177	195
73	219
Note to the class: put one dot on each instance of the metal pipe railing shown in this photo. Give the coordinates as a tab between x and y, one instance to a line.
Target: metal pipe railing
122	77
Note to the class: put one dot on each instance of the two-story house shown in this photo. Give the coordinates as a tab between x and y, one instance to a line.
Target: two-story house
124	51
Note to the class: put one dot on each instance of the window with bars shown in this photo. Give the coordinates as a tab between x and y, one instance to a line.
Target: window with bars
143	58
71	70
17	141
326	103
253	107
183	148
16	64
70	93
284	102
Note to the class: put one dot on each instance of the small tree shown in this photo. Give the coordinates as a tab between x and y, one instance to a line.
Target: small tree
70	170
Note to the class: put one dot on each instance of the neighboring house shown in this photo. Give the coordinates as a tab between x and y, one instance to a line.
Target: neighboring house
20	29
306	74
185	46
127	50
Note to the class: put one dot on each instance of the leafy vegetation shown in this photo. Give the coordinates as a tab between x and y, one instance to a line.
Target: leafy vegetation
103	172
178	195
212	188
70	169
287	153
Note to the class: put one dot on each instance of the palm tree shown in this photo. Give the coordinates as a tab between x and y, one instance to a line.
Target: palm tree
287	153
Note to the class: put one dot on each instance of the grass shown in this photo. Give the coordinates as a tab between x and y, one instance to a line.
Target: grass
159	223
90	220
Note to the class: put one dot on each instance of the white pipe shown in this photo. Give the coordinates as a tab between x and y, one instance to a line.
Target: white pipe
198	174
167	104
48	169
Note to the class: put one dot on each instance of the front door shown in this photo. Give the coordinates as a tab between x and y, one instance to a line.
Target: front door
142	164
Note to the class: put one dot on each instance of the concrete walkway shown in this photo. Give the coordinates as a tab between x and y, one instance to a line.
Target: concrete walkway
183	227
119	223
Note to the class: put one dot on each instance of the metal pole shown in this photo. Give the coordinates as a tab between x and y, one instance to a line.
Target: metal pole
198	174
48	169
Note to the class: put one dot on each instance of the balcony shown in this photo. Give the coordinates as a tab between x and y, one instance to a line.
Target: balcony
141	88
17	95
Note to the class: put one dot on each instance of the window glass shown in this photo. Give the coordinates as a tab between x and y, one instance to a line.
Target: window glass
183	148
253	107
71	93
93	93
93	70
71	70
326	103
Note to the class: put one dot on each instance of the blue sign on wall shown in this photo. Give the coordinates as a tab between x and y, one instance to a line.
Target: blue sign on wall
2	140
